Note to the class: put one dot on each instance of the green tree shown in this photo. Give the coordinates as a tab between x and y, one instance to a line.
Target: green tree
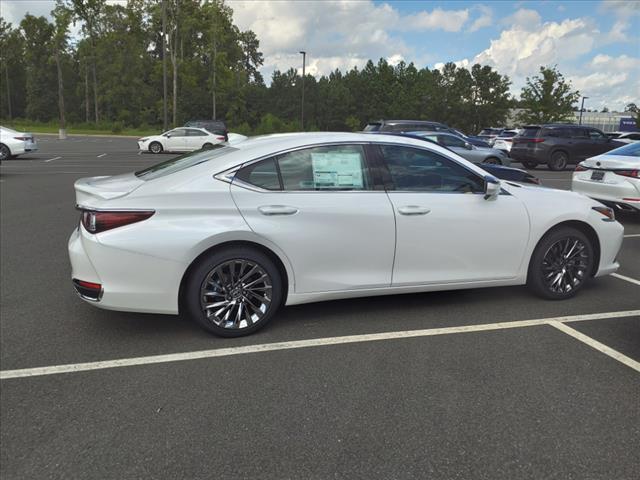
547	98
12	71
62	18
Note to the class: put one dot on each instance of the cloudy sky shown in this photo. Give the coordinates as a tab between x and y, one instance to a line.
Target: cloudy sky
596	44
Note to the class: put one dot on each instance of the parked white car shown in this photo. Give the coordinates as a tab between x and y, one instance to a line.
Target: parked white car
612	178
182	139
14	143
504	141
230	235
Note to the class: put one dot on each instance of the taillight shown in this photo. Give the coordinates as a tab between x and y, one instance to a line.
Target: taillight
99	221
222	139
581	168
528	140
628	173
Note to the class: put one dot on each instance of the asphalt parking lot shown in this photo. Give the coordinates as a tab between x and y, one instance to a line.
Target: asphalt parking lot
479	384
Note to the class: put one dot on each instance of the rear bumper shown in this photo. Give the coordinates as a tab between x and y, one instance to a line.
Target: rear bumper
623	195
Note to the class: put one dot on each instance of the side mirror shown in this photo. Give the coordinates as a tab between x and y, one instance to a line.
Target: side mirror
491	187
468	146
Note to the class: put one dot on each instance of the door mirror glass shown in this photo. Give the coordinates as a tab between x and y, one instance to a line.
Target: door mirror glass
468	146
491	187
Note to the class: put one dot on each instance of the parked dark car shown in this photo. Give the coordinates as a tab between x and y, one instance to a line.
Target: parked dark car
500	171
558	145
400	126
217	127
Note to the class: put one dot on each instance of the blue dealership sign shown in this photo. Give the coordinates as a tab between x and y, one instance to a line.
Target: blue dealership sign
628	125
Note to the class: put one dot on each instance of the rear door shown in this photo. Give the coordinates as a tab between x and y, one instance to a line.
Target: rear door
319	206
195	139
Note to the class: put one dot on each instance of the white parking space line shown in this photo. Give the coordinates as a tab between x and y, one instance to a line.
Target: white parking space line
314	342
632	235
102	155
626	279
52	159
601	347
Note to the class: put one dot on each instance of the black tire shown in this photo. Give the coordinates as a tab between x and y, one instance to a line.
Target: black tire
207	146
155	147
194	295
542	270
530	165
558	161
5	153
493	161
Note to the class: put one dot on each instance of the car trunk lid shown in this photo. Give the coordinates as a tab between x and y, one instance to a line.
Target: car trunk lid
93	189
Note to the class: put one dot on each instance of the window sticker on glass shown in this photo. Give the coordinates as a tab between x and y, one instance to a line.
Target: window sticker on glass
337	170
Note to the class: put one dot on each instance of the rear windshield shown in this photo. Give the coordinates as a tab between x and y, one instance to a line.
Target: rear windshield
372	127
529	132
184	161
630	150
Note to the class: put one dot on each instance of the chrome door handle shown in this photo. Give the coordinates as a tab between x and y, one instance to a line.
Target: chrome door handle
413	210
277	210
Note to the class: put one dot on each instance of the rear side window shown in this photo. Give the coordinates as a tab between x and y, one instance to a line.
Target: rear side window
262	174
192	132
420	170
334	167
579	133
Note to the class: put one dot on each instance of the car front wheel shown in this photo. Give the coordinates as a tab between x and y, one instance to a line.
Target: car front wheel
5	153
155	147
233	292
493	161
530	165
561	264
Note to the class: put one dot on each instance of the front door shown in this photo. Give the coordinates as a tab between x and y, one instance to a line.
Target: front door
177	140
446	231
318	206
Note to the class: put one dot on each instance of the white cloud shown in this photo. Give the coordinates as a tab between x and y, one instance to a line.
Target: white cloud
621	8
484	20
438	19
524	18
336	34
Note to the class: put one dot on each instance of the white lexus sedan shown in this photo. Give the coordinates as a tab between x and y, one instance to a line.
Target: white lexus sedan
14	143
183	139
612	178
231	235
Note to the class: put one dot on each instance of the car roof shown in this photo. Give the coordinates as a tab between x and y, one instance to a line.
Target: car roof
401	122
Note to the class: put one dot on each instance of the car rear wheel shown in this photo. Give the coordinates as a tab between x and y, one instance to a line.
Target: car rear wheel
558	161
207	146
561	264
5	153
234	292
530	165
155	147
493	161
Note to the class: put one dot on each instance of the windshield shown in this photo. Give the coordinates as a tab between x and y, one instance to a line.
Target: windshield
630	150
184	161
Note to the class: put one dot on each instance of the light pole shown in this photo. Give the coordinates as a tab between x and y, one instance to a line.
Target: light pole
304	57
581	109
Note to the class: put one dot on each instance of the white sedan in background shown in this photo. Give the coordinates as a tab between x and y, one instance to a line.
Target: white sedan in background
230	235
612	178
182	139
14	143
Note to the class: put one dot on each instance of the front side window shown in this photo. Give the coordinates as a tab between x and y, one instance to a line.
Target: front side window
178	132
334	167
596	135
450	141
420	170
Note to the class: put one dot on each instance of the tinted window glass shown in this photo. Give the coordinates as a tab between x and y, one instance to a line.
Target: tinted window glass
178	132
336	167
195	133
578	133
262	174
530	132
630	150
184	161
450	141
414	169
633	136
595	135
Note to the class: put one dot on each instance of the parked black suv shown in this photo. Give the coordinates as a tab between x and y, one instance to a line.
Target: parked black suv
558	145
217	127
406	126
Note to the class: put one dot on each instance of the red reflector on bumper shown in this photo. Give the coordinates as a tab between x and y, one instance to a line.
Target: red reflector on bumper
91	285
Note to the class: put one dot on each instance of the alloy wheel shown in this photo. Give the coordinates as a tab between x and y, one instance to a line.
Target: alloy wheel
236	294
4	152
565	264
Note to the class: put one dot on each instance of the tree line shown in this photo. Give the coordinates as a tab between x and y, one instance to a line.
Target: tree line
159	63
